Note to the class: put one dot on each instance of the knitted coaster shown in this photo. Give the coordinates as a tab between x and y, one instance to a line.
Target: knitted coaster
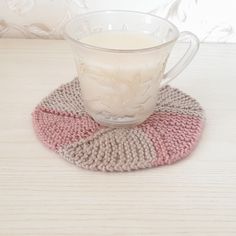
168	135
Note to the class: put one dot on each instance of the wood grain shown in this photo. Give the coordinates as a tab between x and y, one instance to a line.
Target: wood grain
41	194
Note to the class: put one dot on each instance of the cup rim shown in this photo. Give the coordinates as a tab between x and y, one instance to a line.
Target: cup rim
113	50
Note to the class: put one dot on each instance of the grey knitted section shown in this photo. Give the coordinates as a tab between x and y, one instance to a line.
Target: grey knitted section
66	98
174	101
112	150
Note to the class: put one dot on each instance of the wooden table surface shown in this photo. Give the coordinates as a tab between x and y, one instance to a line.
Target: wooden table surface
41	194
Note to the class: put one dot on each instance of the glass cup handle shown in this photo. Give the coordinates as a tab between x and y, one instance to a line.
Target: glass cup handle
185	59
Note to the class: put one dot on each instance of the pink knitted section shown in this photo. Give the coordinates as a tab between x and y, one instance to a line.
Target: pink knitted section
169	135
57	129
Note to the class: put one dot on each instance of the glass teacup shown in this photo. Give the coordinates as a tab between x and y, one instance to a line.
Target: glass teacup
120	86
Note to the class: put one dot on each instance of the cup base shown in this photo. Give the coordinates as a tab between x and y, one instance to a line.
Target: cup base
122	122
117	124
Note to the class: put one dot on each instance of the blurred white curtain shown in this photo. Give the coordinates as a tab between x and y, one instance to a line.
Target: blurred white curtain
212	21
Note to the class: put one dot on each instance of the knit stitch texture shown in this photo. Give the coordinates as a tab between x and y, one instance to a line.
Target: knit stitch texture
168	135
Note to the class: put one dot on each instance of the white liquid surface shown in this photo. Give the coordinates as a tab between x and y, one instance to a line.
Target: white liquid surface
120	87
120	40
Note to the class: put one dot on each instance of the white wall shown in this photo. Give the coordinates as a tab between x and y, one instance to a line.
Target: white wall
212	21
